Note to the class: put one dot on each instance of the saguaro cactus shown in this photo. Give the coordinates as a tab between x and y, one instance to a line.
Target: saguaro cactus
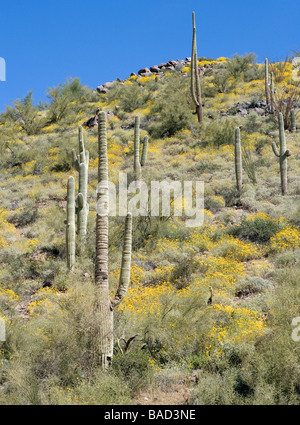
70	223
293	120
105	305
81	163
238	160
272	93
136	163
195	77
145	151
267	89
283	154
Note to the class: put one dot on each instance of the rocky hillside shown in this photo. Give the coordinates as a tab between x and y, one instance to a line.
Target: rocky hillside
209	310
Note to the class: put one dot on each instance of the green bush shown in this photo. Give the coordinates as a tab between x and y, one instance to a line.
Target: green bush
134	368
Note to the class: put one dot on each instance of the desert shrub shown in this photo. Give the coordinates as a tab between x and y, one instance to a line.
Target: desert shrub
257	227
170	110
134	368
252	285
285	239
130	96
214	203
221	81
61	98
220	132
25	114
239	65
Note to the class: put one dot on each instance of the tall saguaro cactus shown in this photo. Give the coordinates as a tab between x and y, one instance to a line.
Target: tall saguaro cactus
238	160
195	77
293	120
136	163
145	151
105	305
267	89
272	93
81	163
70	223
283	154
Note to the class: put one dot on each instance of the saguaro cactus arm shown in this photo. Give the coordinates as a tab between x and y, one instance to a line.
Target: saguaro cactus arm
145	151
195	78
70	223
283	154
136	163
238	160
126	263
267	89
274	147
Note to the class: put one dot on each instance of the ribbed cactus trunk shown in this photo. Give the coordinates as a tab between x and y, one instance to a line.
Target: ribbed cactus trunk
293	120
272	93
195	77
267	89
104	304
145	151
136	163
238	160
70	223
283	154
81	163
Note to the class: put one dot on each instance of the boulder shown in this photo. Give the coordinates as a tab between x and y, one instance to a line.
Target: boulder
143	71
154	69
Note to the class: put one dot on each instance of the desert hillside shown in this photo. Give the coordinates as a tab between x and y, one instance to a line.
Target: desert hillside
208	315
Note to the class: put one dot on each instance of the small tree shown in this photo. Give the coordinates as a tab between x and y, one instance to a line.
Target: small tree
25	114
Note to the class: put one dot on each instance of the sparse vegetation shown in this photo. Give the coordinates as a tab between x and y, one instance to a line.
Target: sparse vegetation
209	306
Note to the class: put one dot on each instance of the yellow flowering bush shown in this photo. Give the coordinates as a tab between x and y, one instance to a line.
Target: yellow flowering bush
287	238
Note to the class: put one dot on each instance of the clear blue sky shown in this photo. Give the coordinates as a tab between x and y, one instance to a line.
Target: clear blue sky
45	42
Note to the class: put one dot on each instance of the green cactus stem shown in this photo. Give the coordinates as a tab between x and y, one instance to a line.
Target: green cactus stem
272	93
136	163
283	154
238	160
82	206
267	89
293	120
195	77
81	164
70	223
145	151
105	305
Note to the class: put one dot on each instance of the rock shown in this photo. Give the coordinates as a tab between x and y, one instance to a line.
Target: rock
243	112
143	71
260	111
105	87
154	69
162	65
172	63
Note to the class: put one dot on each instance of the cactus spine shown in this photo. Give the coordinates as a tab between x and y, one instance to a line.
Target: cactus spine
238	160
105	305
293	120
267	81
195	78
81	163
283	154
145	151
70	223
